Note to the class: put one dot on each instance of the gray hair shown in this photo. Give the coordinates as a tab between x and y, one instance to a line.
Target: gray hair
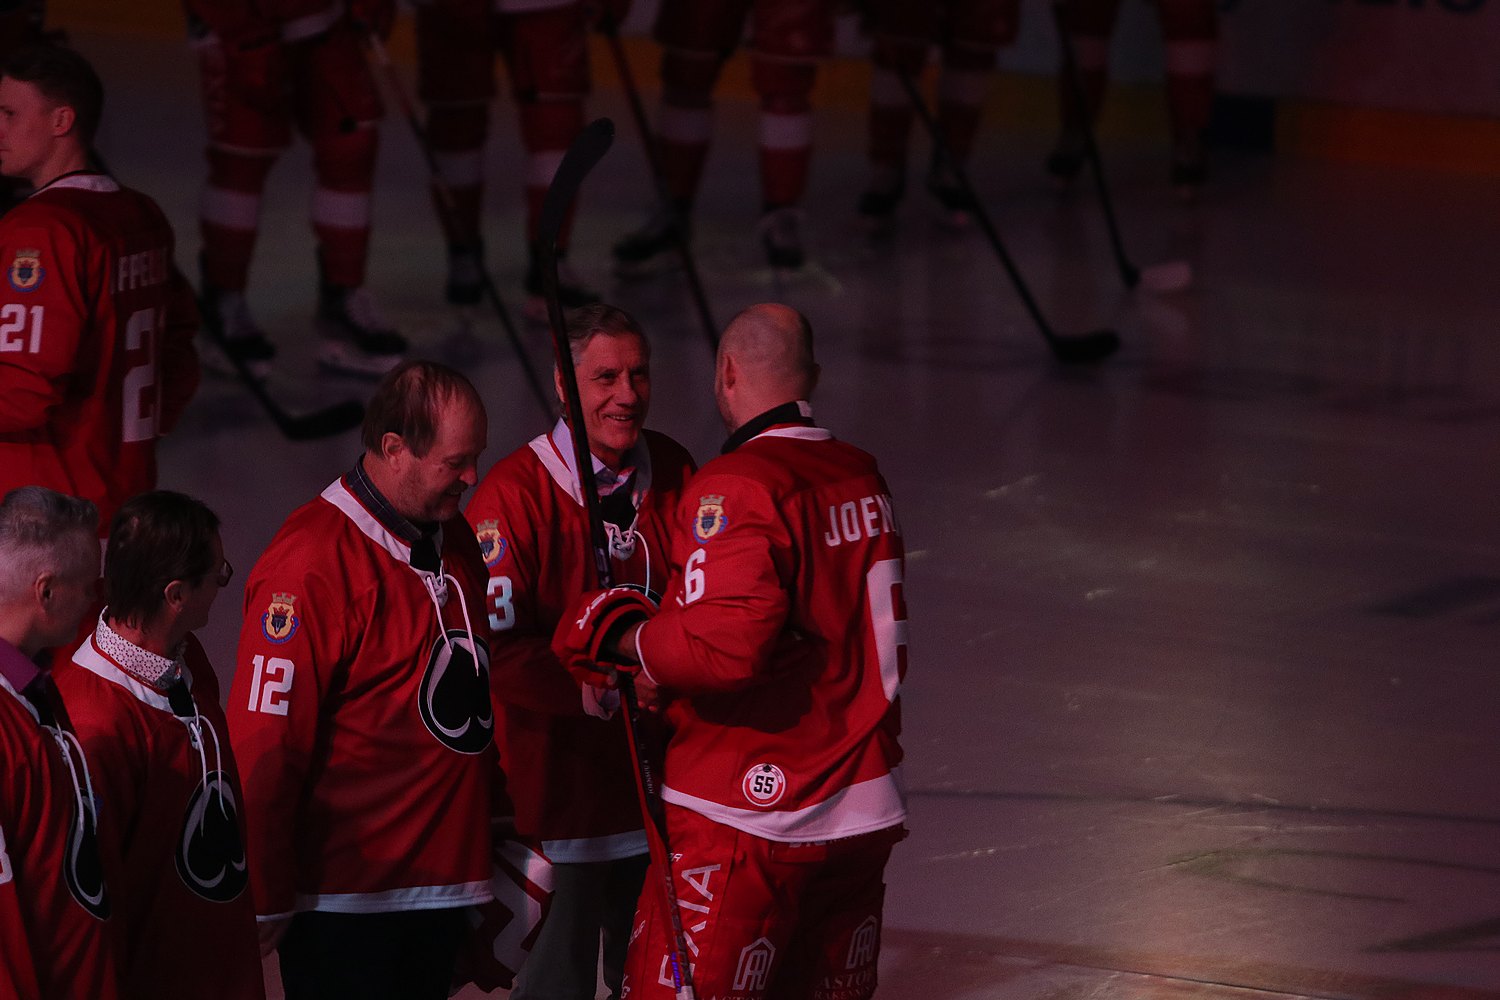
39	534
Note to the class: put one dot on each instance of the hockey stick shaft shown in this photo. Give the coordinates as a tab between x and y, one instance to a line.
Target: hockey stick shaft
659	180
588	148
308	426
1081	349
980	215
1073	83
448	208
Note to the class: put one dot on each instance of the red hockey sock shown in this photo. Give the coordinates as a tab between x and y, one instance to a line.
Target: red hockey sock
345	168
785	127
229	215
548	127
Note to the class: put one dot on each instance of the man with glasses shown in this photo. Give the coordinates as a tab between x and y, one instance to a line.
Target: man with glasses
145	702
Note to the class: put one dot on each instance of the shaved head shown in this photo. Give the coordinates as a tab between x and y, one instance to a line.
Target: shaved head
765	359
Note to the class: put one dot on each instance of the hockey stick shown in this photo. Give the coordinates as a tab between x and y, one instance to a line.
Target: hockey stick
588	149
611	33
1173	276
322	423
448	208
1083	348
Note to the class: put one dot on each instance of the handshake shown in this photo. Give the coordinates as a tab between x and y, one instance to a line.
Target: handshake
589	637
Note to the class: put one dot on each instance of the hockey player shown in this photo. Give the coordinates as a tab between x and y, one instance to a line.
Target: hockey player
781	650
545	46
145	704
56	941
788	37
1191	31
569	775
970	33
360	708
96	324
267	67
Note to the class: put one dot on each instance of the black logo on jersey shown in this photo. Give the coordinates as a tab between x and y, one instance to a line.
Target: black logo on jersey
83	871
210	855
455	699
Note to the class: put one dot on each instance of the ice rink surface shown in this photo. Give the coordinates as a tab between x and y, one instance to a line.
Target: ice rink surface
1201	699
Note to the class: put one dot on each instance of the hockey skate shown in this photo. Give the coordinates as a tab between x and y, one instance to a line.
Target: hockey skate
239	342
1066	158
955	201
651	249
1189	168
781	235
465	284
355	340
877	205
571	293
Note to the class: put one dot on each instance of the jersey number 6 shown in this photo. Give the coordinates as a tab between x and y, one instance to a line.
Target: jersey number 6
885	588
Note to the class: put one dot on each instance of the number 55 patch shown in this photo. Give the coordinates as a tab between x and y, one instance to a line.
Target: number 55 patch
764	784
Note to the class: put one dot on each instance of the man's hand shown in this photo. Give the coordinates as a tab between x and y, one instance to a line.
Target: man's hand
587	640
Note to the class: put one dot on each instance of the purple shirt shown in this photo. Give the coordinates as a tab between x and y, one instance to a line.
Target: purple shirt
18	669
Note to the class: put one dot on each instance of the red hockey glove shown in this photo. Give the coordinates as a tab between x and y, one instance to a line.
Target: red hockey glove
586	637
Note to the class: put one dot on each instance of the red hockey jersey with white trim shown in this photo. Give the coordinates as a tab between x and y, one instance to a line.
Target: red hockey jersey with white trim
51	947
569	773
169	792
96	349
360	716
783	636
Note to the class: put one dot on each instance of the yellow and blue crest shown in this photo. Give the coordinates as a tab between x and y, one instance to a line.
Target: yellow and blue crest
26	272
710	519
280	621
491	546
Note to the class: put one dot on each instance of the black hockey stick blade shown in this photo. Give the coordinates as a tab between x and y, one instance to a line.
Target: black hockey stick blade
588	149
324	423
1085	348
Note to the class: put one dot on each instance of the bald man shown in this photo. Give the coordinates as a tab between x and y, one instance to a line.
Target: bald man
778	653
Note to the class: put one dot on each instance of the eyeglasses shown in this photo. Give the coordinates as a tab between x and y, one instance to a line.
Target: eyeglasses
226	573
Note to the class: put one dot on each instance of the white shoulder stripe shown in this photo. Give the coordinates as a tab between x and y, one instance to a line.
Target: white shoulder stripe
798	433
96	663
5	686
338	495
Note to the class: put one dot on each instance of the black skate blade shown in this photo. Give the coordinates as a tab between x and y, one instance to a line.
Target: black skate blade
1085	348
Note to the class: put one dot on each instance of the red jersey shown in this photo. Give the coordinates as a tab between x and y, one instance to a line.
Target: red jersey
96	348
169	790
360	715
54	940
568	772
783	635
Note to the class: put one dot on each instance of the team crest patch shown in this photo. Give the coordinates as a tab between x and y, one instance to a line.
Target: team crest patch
764	785
491	546
26	271
710	519
280	621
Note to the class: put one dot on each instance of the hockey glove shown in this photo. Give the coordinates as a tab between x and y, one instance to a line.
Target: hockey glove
586	638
